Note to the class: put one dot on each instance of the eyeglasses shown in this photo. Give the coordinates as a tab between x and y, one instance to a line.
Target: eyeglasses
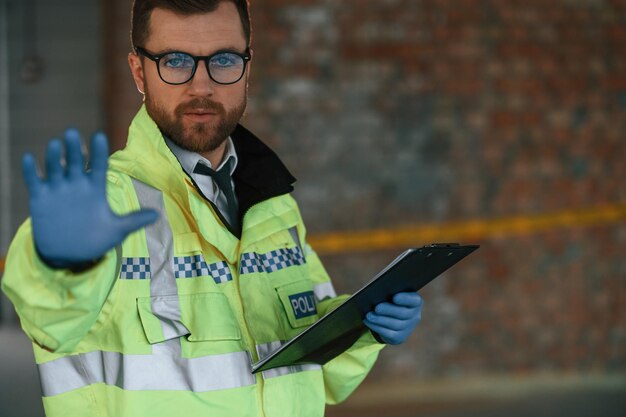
224	67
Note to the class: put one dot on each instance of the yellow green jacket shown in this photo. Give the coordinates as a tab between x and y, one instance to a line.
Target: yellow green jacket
169	323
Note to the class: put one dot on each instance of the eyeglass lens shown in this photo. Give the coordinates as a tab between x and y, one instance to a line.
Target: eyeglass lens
178	67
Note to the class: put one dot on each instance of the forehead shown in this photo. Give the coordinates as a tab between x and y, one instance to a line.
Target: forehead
198	34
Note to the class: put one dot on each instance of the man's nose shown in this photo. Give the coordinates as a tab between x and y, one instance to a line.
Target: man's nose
201	84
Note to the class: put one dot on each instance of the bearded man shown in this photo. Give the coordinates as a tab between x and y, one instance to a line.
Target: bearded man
150	282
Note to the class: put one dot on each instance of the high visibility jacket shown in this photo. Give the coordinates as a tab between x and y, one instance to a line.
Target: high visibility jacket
168	323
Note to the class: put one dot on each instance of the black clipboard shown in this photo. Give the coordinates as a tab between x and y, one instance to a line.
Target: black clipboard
338	330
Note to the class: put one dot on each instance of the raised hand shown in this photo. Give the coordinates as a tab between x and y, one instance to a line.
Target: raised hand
394	322
72	222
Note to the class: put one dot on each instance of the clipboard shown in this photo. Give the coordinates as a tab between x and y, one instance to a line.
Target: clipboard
338	330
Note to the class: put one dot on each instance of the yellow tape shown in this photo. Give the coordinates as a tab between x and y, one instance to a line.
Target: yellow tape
465	231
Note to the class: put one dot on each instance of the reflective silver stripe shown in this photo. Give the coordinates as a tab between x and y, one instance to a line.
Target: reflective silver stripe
294	234
308	250
146	372
161	249
324	290
265	349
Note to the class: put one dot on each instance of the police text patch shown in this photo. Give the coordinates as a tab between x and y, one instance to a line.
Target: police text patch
303	304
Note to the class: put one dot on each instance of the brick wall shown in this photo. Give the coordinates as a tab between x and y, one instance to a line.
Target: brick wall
401	112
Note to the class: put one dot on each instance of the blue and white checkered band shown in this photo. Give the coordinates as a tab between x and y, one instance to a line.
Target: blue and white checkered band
220	272
195	266
271	261
135	268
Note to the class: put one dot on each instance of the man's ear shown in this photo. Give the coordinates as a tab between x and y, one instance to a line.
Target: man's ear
136	69
249	69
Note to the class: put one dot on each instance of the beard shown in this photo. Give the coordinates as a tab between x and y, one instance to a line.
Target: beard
196	137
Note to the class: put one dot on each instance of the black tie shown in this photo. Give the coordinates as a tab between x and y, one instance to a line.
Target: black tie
223	181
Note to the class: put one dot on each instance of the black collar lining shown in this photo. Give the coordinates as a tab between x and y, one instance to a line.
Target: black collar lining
260	174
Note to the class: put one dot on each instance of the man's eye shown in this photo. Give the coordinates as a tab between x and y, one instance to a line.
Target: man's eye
177	61
225	60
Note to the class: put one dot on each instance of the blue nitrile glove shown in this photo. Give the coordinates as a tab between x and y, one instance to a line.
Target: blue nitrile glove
394	322
72	222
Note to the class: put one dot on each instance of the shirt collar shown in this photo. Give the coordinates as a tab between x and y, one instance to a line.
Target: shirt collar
188	159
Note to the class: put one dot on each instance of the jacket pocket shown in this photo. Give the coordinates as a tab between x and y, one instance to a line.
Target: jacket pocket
298	301
199	317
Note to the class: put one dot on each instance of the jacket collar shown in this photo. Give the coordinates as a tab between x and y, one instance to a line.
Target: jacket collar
259	176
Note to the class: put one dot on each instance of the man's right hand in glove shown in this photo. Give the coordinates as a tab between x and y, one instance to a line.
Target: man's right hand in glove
72	222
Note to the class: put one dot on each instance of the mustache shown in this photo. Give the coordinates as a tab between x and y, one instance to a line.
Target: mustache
200	103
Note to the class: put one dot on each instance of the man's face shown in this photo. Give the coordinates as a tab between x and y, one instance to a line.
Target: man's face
200	114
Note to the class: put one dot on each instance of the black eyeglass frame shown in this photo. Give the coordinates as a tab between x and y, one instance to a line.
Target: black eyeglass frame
246	56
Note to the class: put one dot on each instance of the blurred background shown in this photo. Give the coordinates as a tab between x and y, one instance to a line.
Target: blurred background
406	122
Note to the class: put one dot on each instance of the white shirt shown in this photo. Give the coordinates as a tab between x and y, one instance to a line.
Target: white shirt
208	187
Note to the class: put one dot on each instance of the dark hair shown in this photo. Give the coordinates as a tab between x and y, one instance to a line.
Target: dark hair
142	9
